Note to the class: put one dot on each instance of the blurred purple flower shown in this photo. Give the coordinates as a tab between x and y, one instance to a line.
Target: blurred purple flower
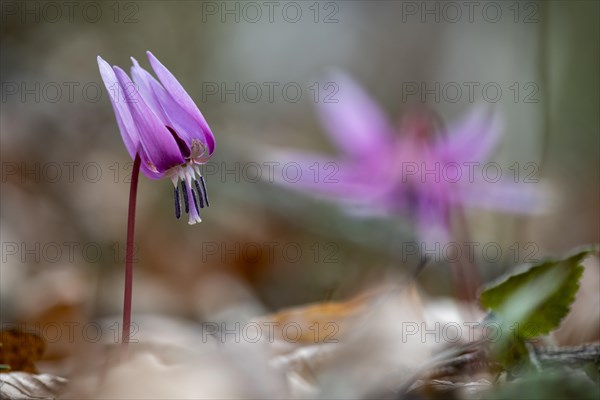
160	122
417	172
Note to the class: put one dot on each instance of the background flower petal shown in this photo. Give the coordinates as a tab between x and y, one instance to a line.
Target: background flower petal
472	139
318	175
355	122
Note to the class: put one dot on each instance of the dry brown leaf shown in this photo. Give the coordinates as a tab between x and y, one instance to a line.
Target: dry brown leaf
23	385
52	304
19	350
326	322
437	388
359	340
158	371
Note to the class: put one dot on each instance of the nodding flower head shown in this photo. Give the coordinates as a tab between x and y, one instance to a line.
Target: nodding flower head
159	122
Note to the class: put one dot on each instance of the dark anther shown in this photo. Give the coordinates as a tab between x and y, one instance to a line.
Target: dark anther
177	204
195	201
185	198
200	195
204	191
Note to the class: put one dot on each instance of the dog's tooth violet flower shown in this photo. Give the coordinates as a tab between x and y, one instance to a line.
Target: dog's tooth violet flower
167	137
382	169
160	123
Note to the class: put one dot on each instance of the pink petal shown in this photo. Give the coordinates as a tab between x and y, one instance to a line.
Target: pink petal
144	82
182	98
355	122
472	139
186	127
322	176
158	143
122	114
163	105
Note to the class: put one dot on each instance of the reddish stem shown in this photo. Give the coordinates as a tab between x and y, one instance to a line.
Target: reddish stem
129	254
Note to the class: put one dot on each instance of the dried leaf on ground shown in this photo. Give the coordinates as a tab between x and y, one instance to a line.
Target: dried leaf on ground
349	347
19	350
23	385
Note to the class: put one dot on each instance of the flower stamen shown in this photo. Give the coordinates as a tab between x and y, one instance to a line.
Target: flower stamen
200	193
189	176
204	191
177	203
186	202
191	187
195	201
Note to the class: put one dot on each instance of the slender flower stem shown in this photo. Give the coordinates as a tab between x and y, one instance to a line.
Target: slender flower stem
466	273
129	254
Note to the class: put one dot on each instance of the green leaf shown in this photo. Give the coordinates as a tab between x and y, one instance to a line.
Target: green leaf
534	302
547	385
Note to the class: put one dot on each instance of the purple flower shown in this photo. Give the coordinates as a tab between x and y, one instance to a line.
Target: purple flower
424	171
160	123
